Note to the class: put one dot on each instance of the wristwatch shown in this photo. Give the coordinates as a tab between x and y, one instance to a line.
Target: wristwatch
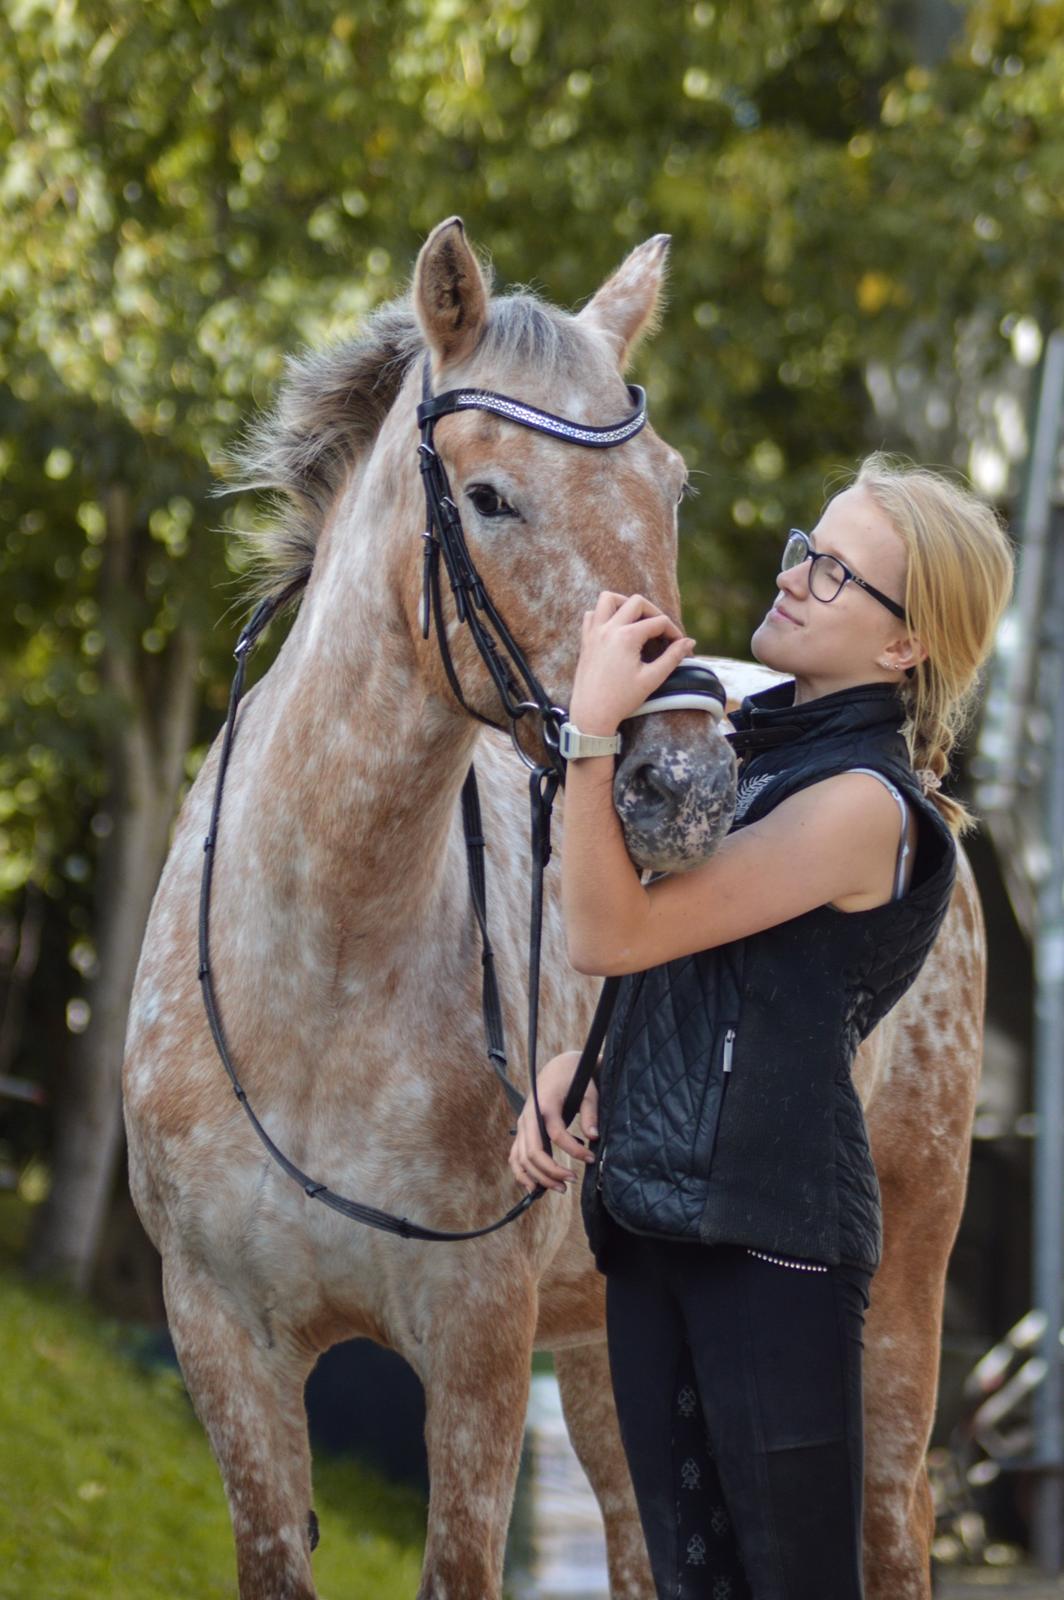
574	745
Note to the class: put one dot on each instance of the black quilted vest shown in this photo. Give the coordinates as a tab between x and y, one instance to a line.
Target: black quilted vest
727	1108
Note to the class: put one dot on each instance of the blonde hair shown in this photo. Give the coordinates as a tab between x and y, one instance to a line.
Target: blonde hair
958	582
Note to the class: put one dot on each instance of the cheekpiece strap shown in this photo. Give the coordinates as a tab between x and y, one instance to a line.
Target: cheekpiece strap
501	405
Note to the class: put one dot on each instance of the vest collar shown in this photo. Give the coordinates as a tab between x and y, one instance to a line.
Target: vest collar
770	717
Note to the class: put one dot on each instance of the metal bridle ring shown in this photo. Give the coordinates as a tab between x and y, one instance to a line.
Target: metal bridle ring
549	729
525	759
552	727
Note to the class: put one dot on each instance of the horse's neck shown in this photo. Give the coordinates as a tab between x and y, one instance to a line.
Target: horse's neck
351	769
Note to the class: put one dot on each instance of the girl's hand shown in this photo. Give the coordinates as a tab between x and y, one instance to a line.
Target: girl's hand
612	679
529	1162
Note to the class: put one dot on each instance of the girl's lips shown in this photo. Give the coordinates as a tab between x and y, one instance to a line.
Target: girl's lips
778	611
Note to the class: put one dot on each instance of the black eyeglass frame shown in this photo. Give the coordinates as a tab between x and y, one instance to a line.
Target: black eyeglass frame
848	577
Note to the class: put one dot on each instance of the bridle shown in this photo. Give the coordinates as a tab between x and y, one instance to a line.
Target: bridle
518	687
520	693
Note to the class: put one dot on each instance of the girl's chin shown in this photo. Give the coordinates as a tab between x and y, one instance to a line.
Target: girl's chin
764	647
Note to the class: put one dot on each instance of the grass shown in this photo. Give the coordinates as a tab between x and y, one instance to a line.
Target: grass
108	1488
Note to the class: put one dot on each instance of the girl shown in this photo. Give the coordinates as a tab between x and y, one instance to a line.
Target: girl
732	1201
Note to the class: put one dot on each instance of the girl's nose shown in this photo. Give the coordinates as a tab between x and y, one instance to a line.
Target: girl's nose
795	580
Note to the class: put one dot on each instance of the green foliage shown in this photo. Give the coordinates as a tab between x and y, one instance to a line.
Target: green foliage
192	188
109	1487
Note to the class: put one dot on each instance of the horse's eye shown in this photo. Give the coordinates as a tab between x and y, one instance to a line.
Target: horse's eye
488	502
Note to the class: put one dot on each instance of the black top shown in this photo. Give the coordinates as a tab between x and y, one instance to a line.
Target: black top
727	1112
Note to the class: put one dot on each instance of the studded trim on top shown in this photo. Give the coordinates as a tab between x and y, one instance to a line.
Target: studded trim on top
545	421
781	1261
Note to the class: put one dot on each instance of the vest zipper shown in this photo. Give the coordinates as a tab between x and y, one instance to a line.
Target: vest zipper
729	1045
726	1068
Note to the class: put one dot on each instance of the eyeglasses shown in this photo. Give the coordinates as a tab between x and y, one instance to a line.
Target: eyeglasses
828	575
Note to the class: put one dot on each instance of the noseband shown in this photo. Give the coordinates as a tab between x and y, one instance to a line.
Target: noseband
692	685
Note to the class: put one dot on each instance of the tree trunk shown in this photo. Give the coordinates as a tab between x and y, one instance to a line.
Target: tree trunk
87	1126
23	969
146	761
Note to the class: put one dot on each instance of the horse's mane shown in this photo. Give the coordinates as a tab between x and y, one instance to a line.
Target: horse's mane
331	404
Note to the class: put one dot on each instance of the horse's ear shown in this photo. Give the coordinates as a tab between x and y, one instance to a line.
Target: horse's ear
450	295
627	307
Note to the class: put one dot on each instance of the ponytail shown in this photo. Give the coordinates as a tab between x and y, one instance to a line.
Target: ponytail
958	582
931	735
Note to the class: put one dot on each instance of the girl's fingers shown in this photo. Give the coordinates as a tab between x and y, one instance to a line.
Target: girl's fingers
653	673
547	1171
680	648
637	606
651	627
569	1143
531	1164
589	1113
528	1161
519	1154
518	1165
607	603
625	608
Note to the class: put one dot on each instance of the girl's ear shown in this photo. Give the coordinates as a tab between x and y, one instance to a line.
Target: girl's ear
902	655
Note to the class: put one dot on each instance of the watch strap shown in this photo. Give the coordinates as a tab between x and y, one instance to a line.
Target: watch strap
574	745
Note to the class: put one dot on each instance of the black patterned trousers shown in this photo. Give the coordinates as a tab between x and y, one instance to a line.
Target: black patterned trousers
737	1378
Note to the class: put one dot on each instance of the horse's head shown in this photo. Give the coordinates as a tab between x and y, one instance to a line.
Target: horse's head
550	522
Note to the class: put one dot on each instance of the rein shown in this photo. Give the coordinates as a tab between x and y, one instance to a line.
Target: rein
355	1210
520	692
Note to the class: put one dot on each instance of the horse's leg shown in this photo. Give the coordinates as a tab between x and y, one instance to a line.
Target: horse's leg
248	1394
475	1369
920	1125
903	1334
591	1418
923	1177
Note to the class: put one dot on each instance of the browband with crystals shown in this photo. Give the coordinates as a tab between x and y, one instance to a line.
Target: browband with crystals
532	417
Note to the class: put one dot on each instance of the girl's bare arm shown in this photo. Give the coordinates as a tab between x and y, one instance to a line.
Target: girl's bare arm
834	839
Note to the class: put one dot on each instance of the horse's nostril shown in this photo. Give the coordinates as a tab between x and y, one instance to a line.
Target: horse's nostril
655	789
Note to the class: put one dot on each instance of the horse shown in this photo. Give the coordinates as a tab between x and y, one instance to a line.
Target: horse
347	958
